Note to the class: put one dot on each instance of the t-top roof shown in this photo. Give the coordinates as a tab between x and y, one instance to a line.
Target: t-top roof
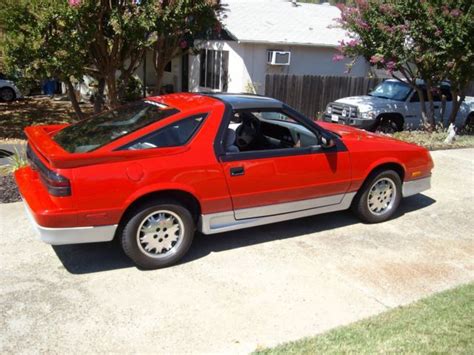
246	101
281	22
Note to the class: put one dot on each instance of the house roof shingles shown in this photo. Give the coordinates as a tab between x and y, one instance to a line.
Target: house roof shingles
280	22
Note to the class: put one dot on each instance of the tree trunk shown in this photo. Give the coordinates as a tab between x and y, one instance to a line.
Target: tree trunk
112	92
99	98
457	101
159	81
430	113
160	62
442	113
424	115
72	96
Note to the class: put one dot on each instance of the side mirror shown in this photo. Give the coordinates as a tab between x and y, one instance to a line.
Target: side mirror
327	142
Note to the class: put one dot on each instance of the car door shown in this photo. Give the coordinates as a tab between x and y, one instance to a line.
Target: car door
413	117
276	181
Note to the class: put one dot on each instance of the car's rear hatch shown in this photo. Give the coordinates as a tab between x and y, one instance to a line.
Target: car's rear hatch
51	154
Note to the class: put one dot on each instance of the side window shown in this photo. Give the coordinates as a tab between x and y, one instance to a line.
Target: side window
446	91
174	135
251	130
437	94
416	98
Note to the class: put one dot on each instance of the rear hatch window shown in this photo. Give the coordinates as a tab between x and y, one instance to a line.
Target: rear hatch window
99	130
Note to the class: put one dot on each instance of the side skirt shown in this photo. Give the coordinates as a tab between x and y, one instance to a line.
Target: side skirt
225	221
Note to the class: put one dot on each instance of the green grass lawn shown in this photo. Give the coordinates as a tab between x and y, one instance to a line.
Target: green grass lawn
443	323
435	140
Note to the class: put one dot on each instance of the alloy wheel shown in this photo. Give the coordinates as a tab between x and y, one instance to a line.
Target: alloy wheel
382	196
160	234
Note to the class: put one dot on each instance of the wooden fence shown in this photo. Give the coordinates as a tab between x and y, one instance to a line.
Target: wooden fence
310	94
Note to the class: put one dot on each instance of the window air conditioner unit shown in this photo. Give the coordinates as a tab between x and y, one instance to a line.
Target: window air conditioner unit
278	57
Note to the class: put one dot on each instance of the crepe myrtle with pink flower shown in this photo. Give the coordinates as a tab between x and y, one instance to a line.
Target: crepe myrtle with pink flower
414	39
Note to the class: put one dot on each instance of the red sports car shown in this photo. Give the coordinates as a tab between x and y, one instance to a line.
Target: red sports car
153	172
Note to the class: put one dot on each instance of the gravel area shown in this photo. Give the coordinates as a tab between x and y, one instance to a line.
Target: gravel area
8	190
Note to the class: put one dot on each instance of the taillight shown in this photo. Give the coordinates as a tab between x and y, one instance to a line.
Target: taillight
56	184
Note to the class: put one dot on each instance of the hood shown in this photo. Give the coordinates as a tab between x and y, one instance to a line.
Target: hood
366	101
355	134
469	100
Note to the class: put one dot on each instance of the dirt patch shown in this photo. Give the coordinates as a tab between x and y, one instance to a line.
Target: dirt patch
8	189
15	116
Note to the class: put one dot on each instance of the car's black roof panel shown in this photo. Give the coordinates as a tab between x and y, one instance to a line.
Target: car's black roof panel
247	101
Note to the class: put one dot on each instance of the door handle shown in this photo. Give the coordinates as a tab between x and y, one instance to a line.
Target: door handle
237	171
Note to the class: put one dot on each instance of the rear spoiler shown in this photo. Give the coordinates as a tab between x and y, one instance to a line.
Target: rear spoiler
39	137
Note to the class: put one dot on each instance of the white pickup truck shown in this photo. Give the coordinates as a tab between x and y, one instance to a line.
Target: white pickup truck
393	106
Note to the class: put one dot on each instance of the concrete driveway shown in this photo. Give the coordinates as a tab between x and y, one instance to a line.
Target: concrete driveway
240	290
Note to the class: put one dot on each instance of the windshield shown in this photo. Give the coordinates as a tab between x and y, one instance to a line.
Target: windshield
92	133
393	90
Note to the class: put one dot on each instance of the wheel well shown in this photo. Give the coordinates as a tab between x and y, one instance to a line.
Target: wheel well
388	166
395	117
188	200
470	118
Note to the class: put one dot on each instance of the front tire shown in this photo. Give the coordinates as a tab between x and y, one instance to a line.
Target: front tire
158	234
379	197
388	125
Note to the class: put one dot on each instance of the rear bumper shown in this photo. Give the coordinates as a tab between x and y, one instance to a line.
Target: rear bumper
76	235
414	187
53	218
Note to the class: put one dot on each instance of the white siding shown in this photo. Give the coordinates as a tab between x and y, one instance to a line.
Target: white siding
247	64
169	78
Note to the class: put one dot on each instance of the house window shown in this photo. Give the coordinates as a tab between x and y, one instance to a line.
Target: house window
214	68
168	67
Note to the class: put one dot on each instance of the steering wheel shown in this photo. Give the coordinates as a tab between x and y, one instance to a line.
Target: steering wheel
247	132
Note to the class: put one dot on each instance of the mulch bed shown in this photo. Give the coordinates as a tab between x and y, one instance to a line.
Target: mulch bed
8	189
15	116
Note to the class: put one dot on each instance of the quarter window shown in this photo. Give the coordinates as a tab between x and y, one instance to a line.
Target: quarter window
175	134
213	69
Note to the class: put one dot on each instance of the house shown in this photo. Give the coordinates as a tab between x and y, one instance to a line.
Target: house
262	37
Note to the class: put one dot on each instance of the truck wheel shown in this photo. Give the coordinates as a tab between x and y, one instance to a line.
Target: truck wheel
379	197
387	125
469	125
7	94
158	234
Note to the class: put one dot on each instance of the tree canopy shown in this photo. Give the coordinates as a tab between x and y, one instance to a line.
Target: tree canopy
106	39
431	40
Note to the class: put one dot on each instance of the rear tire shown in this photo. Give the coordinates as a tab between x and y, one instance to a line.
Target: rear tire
7	94
158	234
379	197
469	125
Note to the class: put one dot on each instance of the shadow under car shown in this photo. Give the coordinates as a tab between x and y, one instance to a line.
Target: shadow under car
97	257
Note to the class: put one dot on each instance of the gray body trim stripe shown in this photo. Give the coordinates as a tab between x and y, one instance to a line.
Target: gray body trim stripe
225	221
288	207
